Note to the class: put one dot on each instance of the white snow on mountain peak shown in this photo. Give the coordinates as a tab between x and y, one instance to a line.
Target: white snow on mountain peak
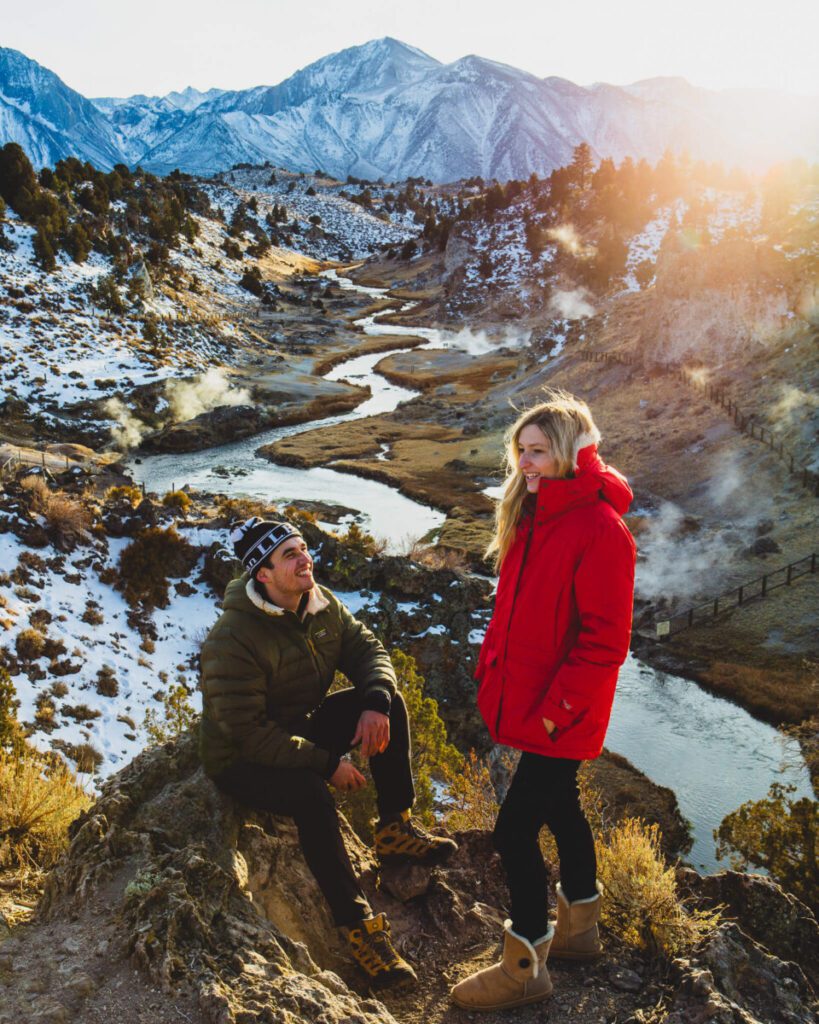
386	109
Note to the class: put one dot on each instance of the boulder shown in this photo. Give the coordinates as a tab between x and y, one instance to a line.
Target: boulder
732	980
218	426
764	911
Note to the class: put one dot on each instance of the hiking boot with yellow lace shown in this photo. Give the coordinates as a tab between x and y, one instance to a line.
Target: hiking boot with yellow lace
374	953
398	838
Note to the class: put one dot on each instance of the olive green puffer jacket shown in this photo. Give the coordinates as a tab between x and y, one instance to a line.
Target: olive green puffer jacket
264	670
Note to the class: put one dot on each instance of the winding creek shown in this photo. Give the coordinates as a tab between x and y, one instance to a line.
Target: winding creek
710	752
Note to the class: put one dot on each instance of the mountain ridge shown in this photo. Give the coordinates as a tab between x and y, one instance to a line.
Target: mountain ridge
385	109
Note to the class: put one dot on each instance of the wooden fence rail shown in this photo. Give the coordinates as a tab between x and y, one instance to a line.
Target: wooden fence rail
745	422
12	464
736	597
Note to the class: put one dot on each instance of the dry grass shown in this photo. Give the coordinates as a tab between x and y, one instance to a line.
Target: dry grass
68	520
126	491
436	557
39	798
787	695
177	500
641	902
474	804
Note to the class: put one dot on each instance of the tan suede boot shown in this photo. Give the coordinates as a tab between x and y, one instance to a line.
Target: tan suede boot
576	936
520	978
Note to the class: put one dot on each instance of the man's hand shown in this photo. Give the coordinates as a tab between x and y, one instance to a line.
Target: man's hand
373	730
548	725
347	776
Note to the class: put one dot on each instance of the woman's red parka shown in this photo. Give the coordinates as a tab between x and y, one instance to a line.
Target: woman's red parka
562	621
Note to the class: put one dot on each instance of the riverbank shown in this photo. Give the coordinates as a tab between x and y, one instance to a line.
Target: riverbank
720	657
428	462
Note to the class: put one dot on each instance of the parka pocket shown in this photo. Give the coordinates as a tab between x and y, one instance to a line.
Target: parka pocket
527	678
557	734
489	695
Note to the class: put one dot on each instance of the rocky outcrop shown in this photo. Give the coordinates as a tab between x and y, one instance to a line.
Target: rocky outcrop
172	903
732	980
215	908
769	915
234	422
225	423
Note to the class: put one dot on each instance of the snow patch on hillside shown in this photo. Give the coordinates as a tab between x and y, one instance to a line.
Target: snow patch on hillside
117	731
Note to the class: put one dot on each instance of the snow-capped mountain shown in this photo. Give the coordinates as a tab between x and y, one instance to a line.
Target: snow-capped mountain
49	120
387	110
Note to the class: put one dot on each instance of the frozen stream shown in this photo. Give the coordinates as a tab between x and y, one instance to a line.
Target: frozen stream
711	753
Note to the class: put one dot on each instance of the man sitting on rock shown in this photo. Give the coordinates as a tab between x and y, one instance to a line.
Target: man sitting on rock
272	738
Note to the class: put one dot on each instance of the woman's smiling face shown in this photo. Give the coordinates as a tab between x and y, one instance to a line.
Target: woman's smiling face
535	459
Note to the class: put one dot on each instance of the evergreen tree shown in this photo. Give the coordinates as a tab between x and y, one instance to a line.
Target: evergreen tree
609	261
604	176
18	182
77	243
667	178
493	200
582	165
44	248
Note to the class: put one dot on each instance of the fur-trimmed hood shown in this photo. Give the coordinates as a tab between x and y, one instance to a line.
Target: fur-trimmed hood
592	476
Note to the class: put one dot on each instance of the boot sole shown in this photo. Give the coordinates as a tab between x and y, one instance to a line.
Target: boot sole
400	985
407	858
578	957
500	1006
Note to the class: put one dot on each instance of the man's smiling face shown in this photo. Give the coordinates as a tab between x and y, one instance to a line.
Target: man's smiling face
288	572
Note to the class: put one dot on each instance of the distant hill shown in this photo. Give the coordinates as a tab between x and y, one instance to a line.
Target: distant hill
387	110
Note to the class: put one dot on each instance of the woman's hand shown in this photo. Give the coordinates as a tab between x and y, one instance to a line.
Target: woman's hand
548	725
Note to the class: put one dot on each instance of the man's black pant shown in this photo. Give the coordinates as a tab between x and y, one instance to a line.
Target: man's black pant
303	795
544	791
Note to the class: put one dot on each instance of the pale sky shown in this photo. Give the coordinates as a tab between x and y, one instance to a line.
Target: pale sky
105	48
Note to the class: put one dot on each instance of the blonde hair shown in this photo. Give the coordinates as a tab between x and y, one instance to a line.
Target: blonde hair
568	426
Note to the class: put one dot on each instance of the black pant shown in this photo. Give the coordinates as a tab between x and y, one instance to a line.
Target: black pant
303	795
544	791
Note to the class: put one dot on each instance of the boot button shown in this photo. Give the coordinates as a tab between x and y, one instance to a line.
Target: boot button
525	962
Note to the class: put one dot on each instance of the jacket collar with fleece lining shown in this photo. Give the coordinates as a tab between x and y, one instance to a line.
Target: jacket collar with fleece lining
316	601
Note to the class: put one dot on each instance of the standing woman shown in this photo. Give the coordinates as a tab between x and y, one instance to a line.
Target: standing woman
547	672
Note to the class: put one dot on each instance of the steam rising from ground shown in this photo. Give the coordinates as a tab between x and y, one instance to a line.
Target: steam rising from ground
186	399
567	238
794	403
479	343
129	431
688	563
676	565
190	398
571	305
